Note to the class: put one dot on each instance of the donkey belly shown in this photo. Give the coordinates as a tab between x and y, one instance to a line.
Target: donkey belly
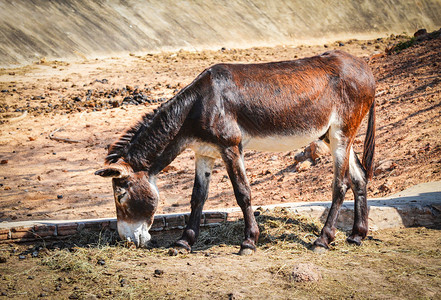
278	143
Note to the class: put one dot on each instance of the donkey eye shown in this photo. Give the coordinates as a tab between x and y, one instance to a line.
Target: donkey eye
121	198
120	194
120	190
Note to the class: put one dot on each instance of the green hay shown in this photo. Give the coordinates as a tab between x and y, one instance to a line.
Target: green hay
404	45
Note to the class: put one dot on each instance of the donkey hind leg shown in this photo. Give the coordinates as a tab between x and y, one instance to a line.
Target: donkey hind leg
340	149
358	186
204	166
233	159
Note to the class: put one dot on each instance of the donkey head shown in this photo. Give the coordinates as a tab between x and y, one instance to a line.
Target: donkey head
136	200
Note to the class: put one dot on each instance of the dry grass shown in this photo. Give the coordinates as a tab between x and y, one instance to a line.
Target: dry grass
392	264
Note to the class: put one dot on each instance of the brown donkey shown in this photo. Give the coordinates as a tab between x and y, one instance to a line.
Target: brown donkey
276	106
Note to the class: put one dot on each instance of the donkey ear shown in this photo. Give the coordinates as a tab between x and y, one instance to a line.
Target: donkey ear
113	172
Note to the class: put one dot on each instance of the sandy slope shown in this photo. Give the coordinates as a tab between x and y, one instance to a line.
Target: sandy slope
42	178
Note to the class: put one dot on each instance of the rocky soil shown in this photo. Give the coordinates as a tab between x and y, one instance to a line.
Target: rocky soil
57	119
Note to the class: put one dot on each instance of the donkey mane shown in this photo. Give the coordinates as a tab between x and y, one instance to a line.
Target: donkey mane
119	148
145	140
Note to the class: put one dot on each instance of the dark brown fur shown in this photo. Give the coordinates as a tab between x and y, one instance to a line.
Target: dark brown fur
285	99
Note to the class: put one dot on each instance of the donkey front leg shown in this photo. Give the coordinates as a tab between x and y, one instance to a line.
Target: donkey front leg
204	166
233	159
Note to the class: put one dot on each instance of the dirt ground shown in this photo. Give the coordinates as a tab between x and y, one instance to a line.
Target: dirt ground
391	264
84	106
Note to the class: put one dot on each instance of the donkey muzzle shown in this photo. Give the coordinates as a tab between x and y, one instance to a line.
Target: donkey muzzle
137	232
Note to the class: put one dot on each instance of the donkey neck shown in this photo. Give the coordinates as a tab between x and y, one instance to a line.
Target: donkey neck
157	139
171	151
156	144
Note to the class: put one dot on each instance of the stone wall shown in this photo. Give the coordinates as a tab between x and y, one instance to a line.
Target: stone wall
420	210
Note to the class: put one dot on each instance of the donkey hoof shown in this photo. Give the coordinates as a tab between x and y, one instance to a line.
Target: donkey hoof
246	251
247	248
182	245
355	240
319	246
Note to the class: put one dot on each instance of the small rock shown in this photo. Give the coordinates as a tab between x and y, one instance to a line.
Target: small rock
101	262
420	32
412	152
45	251
318	149
266	172
128	99
300	156
3	260
4	161
385	166
169	168
303	272
123	282
426	148
158	272
385	187
304	165
74	296
59	196
22	257
173	252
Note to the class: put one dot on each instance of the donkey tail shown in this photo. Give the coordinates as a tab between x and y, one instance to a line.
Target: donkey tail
369	144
